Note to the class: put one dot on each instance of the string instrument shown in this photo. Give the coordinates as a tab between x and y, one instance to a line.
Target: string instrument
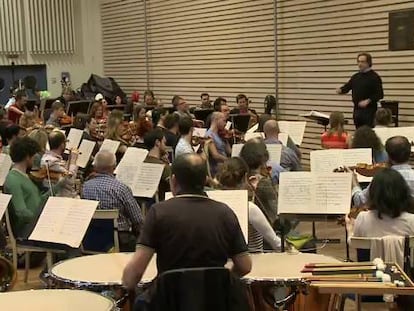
65	120
233	136
368	170
197	140
126	133
42	174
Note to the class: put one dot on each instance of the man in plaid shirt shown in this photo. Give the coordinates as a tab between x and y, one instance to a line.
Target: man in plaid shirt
111	194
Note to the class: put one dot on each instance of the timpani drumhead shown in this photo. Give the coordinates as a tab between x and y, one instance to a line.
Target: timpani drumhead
105	269
283	266
55	299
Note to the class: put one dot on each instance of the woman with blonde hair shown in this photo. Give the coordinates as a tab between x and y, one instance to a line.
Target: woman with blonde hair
336	137
41	137
118	130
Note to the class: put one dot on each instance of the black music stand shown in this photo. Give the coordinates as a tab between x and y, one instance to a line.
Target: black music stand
119	107
393	106
240	122
202	114
79	106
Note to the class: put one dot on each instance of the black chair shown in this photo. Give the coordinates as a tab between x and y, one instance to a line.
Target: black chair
201	289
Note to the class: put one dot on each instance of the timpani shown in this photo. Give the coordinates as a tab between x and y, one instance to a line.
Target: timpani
55	299
283	270
100	273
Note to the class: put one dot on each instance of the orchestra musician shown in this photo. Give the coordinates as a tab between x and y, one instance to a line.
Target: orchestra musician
219	149
57	115
185	126
182	107
243	108
16	110
12	132
149	99
119	130
40	136
30	117
53	161
140	124
205	101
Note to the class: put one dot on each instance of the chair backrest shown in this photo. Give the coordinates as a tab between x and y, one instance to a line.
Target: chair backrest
110	214
365	243
199	289
10	229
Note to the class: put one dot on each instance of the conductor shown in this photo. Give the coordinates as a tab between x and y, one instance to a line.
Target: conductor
366	86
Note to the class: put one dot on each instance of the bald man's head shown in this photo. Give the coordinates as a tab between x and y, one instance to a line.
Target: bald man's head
398	149
104	162
57	140
190	171
271	128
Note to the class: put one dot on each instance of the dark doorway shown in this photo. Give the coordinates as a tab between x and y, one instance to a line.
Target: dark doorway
32	76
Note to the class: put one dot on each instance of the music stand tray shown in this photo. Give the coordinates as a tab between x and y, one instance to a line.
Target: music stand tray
80	106
240	122
202	114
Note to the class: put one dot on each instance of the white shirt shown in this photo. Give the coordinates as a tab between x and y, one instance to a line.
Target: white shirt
367	224
183	147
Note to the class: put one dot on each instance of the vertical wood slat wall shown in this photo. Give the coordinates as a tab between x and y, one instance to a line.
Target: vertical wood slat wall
227	47
123	43
318	42
11	27
52	29
220	47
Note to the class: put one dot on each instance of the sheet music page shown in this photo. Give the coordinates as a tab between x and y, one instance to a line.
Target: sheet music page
283	138
74	138
248	136
110	145
253	128
168	195
275	151
295	193
387	132
228	125
147	180
325	160
64	220
237	200
85	151
315	113
127	174
351	157
199	132
235	150
132	157
5	165
331	193
295	129
4	202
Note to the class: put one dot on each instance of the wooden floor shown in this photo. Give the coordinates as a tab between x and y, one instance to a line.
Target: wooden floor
324	230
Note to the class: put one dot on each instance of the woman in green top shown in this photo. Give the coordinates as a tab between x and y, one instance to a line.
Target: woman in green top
27	201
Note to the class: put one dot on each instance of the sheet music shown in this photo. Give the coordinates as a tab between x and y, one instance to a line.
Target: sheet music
147	180
253	128
328	159
237	200
142	178
295	192
64	220
235	150
85	151
275	151
228	125
295	129
132	157
387	132
74	138
283	138
315	113
314	193
4	202
5	165
199	132
248	136
168	195
110	145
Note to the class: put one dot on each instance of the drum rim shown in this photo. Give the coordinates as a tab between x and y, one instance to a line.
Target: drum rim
113	302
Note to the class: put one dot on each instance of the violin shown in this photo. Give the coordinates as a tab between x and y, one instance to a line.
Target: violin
42	174
364	169
65	120
232	136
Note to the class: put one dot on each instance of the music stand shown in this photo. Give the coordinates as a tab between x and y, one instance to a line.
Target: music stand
240	122
80	106
119	107
202	114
